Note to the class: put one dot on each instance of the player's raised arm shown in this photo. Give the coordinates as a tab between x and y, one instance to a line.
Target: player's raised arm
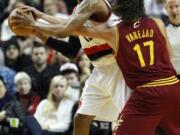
99	31
84	11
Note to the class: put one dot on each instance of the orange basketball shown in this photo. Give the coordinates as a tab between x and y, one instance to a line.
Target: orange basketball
18	31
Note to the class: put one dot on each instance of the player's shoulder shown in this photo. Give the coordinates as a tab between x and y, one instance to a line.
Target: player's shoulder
91	3
158	21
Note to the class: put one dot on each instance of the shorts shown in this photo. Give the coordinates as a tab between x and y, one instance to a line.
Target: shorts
149	107
104	94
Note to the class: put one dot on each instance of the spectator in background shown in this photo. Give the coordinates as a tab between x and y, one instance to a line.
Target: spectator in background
40	72
7	73
156	8
26	44
27	98
13	57
9	108
36	3
59	59
51	7
65	50
71	4
62	7
54	113
70	71
173	31
84	66
6	6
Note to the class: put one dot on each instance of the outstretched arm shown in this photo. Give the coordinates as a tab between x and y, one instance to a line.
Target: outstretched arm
27	20
83	12
98	31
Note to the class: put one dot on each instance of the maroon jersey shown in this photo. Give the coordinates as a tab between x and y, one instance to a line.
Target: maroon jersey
142	54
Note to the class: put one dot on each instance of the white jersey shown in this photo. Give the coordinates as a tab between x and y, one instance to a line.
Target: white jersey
98	51
173	33
105	91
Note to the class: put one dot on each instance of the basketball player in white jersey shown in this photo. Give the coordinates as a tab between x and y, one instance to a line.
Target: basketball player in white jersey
173	31
105	92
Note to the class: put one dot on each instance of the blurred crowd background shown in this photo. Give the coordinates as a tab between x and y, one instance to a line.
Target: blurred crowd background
30	71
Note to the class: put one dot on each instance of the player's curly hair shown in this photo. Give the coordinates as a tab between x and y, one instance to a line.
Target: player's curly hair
129	10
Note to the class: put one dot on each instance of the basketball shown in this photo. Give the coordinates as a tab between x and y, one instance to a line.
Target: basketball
25	31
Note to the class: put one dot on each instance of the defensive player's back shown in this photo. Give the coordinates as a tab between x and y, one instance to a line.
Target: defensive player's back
145	56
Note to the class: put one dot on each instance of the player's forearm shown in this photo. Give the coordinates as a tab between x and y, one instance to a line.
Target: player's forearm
54	20
57	30
42	36
50	29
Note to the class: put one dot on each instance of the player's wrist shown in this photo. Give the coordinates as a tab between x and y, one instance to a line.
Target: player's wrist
34	24
34	32
39	14
40	35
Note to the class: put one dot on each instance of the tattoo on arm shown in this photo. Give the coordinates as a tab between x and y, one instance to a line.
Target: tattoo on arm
55	20
82	14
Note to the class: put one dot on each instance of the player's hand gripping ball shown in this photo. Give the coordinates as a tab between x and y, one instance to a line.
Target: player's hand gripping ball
15	23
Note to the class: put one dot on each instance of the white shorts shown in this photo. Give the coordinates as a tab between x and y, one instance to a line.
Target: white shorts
104	94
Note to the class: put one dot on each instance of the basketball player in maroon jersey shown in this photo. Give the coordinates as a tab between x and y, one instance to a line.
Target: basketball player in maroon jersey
144	59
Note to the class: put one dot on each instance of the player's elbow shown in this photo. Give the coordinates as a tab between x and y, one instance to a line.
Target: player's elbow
93	4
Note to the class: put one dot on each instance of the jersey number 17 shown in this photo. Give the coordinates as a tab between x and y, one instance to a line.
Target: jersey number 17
137	48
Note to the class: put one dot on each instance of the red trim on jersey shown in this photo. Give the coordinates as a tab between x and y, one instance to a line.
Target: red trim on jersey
96	49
